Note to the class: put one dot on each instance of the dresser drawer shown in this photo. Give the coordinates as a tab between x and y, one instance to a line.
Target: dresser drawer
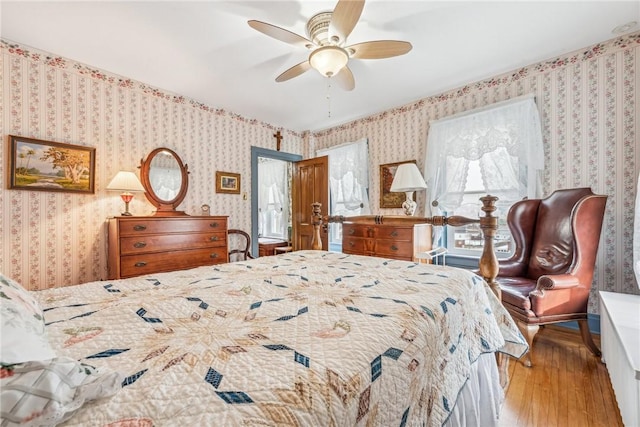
394	233
138	226
354	245
394	249
135	265
167	242
377	231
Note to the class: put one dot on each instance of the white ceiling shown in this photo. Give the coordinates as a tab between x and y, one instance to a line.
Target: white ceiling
205	50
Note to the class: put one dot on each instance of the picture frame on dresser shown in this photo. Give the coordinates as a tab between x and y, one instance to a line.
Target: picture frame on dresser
39	165
227	182
388	198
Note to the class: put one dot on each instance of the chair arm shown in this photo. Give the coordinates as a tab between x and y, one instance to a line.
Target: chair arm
556	281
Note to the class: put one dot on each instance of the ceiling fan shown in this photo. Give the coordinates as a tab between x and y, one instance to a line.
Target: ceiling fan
327	34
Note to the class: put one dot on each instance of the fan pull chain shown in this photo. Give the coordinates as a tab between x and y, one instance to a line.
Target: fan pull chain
329	97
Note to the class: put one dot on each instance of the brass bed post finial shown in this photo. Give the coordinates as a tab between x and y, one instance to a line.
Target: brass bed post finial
488	261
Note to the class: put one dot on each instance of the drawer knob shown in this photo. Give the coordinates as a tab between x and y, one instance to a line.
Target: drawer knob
213	225
394	248
139	227
140	264
394	233
352	232
213	256
139	245
213	238
352	244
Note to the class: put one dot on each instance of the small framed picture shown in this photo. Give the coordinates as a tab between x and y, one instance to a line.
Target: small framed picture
40	165
227	182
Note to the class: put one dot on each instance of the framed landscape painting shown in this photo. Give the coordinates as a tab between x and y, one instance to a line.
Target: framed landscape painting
227	182
40	165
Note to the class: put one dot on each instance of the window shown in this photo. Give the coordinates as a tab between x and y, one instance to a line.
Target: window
495	150
348	184
273	200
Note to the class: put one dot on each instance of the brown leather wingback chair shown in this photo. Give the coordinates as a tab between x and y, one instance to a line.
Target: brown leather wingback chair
548	278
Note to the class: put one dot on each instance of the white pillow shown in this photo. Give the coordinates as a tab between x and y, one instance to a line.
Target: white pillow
22	334
50	392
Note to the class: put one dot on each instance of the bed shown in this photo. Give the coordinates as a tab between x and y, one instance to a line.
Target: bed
308	338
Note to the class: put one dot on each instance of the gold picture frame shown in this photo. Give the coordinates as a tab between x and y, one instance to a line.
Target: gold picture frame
389	199
38	165
227	182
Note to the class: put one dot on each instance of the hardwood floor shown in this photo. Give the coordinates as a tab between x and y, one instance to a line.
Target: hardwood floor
567	385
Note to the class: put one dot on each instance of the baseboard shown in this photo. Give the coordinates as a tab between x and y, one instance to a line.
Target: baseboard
592	319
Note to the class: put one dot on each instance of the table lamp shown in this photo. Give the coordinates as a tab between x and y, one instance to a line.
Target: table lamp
128	183
408	179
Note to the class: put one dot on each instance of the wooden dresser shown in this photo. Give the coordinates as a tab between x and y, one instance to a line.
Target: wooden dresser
397	241
147	244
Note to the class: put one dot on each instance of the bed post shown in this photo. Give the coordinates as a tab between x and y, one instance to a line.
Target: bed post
488	261
316	221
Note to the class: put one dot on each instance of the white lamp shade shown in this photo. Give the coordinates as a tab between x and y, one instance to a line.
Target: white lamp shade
407	178
329	60
125	181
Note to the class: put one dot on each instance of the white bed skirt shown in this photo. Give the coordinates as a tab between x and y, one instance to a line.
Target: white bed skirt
481	398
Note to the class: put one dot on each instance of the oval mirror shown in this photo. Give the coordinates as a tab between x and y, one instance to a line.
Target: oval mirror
165	180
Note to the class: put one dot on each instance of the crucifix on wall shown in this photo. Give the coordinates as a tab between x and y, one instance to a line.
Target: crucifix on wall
278	137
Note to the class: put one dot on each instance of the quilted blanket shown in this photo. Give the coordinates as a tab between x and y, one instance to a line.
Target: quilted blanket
308	338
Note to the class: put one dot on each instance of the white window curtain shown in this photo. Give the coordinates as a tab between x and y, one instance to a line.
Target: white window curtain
273	203
349	178
506	140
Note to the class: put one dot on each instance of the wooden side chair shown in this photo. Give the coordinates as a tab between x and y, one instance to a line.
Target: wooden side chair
242	245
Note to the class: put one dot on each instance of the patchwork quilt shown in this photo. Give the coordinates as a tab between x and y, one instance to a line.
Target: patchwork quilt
308	338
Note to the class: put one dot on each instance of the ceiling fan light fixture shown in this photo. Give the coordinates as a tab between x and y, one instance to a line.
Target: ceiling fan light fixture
329	60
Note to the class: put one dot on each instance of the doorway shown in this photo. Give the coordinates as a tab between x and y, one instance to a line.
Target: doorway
258	155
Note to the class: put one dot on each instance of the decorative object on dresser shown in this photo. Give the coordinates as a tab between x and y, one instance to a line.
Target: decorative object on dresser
408	179
144	245
389	199
393	239
227	182
165	180
35	164
128	183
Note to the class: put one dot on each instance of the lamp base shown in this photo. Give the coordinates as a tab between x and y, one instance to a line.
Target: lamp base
126	198
409	205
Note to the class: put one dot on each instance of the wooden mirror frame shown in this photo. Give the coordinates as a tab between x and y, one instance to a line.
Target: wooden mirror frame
164	207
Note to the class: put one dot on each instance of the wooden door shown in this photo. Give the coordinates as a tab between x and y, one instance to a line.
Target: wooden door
310	184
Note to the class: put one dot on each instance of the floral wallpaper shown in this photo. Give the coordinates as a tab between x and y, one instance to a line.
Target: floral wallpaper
57	239
589	103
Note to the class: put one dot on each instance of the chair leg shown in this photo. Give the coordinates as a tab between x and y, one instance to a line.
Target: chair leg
529	332
587	339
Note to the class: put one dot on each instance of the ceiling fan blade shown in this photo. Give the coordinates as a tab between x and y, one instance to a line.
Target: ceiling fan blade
345	79
280	34
379	49
294	71
344	18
